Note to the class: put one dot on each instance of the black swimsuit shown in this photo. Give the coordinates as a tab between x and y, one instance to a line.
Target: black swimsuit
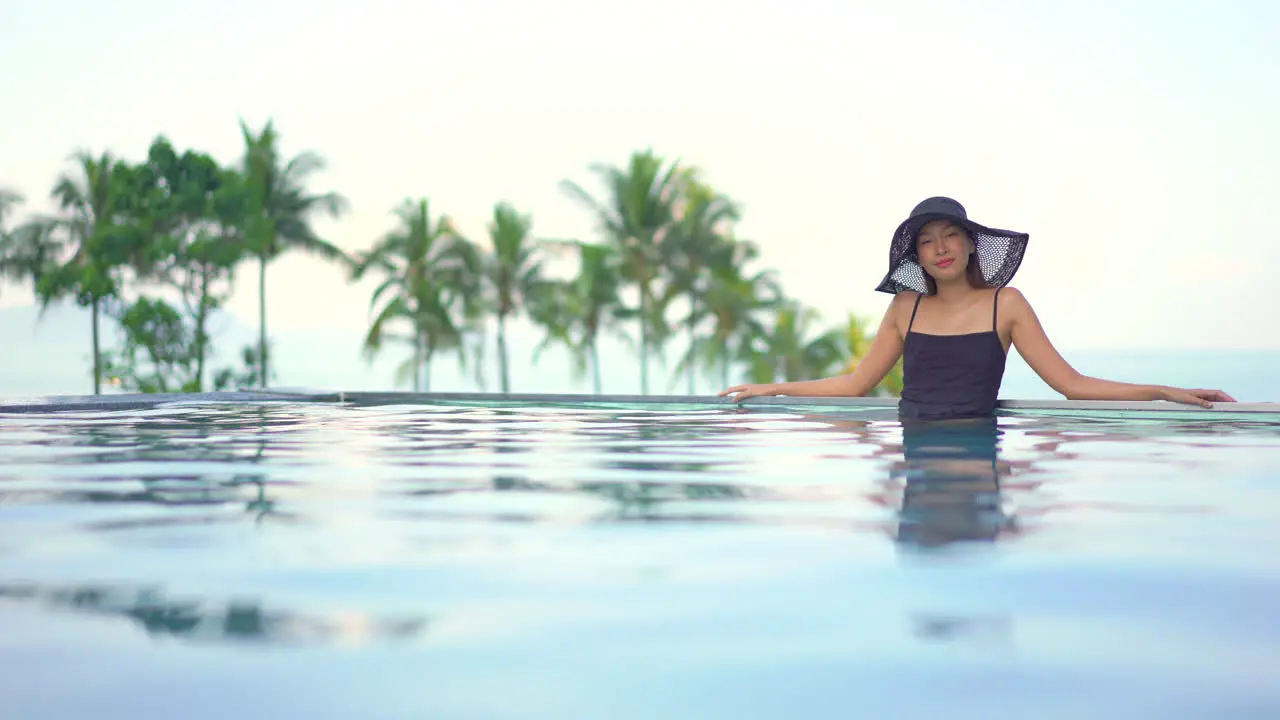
951	376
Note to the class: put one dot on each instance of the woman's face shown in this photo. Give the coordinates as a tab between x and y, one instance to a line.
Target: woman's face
943	249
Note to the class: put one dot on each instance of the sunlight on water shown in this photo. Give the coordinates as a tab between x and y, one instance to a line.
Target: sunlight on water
611	561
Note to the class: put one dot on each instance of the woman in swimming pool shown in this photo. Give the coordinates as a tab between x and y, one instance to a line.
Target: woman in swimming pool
952	321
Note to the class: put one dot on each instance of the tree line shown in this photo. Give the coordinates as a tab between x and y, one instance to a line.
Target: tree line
155	247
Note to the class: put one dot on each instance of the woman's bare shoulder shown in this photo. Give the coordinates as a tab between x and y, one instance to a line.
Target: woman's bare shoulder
899	310
904	299
1011	297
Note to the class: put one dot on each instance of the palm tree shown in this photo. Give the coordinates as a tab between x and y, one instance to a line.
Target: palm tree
578	312
735	304
30	249
29	252
11	267
435	328
698	242
432	277
9	200
86	198
513	272
634	216
281	211
788	353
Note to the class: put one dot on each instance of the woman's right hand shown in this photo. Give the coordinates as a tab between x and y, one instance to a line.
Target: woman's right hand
751	390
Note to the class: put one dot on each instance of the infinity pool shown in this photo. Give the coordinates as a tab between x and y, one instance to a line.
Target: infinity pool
536	561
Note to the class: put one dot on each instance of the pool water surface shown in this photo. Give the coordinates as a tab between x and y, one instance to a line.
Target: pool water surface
609	561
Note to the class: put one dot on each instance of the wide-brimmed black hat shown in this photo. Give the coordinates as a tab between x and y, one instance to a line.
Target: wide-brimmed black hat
999	251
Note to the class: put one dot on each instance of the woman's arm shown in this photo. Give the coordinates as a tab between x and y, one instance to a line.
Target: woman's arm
885	350
1033	345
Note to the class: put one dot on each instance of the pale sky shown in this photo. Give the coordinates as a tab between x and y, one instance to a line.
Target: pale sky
1135	141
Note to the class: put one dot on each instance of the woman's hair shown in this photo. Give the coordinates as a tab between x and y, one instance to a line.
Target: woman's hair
972	271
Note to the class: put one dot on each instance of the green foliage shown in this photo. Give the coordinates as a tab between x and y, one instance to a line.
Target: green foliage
858	343
247	374
28	253
172	224
156	247
430	296
156	354
181	219
575	313
279	211
513	274
788	351
635	215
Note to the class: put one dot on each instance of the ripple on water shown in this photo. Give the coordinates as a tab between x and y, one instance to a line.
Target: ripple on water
710	552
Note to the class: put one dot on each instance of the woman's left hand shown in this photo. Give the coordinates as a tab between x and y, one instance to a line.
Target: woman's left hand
1203	398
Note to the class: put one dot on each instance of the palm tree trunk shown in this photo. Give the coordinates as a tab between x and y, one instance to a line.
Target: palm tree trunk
417	361
262	321
692	341
724	364
595	367
644	341
426	370
502	354
202	341
97	355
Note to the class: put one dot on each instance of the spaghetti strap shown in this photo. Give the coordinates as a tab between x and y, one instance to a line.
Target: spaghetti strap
995	306
913	312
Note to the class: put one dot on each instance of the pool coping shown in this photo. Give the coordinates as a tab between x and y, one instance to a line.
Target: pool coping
138	401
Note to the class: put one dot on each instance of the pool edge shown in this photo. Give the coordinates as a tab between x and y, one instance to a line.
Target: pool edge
139	401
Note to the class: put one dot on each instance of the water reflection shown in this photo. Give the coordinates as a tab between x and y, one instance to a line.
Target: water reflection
194	619
663	467
989	630
146	458
623	445
940	484
457	495
951	484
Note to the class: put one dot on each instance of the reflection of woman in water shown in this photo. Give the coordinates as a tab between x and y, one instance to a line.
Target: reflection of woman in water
952	483
946	482
953	326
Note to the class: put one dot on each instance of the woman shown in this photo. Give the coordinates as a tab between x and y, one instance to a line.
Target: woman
952	321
